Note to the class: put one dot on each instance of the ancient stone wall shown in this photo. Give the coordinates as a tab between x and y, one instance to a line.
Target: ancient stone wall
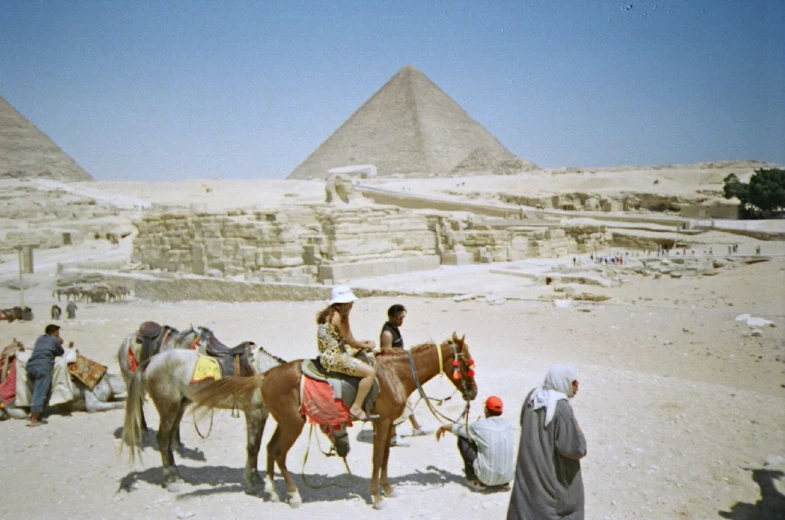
294	245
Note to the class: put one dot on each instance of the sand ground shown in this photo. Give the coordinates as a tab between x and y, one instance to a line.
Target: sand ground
678	401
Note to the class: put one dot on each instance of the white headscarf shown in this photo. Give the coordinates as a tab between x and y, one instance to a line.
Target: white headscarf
557	386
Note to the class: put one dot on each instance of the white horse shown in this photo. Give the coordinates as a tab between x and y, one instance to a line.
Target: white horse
168	380
131	348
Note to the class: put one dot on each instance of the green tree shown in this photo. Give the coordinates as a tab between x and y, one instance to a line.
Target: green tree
764	193
733	187
766	190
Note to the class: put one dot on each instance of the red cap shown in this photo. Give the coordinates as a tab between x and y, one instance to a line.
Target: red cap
494	404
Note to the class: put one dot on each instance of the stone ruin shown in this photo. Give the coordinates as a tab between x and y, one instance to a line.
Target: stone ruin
331	244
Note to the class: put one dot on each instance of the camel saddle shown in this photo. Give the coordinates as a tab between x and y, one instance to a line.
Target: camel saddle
344	386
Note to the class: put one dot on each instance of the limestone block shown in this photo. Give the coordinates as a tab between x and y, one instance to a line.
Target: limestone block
212	247
343	272
198	264
457	258
248	255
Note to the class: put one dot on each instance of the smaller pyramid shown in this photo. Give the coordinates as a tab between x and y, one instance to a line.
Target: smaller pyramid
410	126
26	152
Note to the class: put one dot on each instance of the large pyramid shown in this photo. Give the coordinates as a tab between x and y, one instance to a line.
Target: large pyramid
411	126
25	151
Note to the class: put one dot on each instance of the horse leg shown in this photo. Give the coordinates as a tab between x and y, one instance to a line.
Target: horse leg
169	413
176	442
381	440
387	489
270	476
290	428
144	421
255	419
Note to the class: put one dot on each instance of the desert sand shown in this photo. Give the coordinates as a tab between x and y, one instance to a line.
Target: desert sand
680	403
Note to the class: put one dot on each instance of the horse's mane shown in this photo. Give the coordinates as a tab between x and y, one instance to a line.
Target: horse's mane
271	355
398	352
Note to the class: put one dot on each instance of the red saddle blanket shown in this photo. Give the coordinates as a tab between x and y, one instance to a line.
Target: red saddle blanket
8	386
319	404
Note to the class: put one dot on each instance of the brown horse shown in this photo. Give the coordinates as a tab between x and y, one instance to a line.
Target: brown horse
399	374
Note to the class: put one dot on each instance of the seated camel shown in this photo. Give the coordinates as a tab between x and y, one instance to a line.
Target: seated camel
102	391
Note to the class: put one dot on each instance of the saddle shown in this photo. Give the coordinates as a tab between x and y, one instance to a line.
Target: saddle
344	386
234	361
151	336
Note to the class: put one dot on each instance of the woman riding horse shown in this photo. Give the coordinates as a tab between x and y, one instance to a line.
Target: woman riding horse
338	348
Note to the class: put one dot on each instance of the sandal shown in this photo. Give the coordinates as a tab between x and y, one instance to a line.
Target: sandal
33	425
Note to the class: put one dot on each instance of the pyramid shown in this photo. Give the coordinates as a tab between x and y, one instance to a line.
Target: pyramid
25	151
410	126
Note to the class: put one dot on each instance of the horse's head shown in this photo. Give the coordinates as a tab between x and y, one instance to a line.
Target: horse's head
459	366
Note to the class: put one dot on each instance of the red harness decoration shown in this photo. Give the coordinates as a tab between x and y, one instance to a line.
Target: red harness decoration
320	405
8	387
132	362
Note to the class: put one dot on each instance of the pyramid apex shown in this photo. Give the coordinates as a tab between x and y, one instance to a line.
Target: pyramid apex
409	126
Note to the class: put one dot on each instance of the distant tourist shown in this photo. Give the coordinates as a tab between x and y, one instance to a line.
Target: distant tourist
56	312
757	250
70	310
548	482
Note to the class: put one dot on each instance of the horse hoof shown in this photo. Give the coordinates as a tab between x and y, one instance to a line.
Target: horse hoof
390	492
379	504
253	483
295	500
174	487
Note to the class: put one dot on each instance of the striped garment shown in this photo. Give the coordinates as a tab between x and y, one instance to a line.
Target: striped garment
495	464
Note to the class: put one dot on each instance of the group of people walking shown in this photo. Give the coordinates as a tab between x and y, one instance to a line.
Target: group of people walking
547	475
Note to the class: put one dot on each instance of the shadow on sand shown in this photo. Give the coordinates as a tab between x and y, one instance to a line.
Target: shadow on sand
770	506
328	488
149	441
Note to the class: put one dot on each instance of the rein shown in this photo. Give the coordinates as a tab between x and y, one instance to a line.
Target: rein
353	480
436	413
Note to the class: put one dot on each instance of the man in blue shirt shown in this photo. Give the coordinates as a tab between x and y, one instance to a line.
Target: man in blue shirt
39	370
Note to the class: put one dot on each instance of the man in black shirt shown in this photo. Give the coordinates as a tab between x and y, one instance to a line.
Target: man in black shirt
39	370
391	339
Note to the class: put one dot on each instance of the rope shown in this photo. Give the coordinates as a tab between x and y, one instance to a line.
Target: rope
196	426
330	453
437	414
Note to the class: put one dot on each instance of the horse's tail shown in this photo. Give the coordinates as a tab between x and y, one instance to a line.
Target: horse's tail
132	426
237	390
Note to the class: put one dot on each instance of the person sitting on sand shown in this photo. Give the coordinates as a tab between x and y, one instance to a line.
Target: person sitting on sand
487	447
338	348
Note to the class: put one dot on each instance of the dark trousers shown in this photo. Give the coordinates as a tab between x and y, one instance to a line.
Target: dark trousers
468	451
41	377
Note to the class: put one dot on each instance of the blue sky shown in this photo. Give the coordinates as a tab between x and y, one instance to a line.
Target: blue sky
248	89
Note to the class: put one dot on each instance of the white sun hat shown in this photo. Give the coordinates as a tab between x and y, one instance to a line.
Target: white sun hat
342	294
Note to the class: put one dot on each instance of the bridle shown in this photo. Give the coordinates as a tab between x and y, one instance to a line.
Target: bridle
458	369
